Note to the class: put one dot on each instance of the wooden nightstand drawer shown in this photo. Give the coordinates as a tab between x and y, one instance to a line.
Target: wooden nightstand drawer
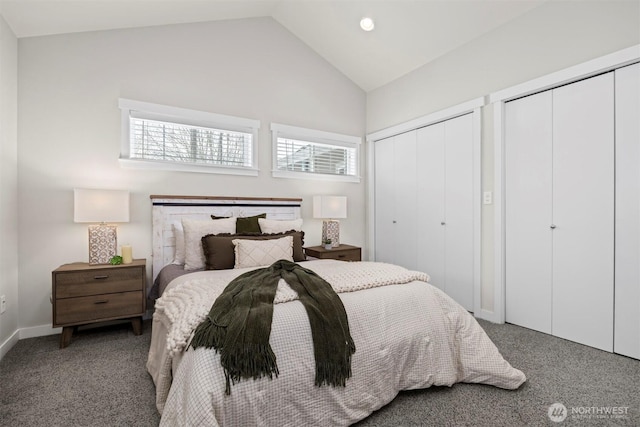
103	307
342	252
98	281
352	255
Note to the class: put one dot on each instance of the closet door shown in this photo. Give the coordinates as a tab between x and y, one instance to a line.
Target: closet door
406	218
431	208
627	263
528	197
384	202
424	211
396	195
583	211
445	206
458	202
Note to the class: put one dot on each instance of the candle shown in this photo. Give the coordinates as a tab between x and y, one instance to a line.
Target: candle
127	254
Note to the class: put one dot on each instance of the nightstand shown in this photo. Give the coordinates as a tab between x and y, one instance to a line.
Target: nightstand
84	294
342	252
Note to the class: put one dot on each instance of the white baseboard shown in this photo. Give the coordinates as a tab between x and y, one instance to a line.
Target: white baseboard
39	331
22	333
9	343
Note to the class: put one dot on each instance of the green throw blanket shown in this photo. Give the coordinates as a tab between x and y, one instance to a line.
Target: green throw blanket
239	324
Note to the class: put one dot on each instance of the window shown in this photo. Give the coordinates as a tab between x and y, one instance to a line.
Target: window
161	137
312	154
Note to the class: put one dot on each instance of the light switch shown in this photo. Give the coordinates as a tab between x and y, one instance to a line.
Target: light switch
487	198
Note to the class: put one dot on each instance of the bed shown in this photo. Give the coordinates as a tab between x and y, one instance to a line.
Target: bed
407	333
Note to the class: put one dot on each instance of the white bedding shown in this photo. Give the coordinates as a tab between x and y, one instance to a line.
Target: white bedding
407	336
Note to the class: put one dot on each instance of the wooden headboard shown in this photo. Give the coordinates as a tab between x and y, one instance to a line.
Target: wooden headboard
168	210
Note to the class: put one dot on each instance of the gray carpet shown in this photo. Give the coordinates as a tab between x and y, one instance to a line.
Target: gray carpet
100	380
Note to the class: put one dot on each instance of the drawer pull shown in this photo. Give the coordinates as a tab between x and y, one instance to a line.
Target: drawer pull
101	277
341	256
104	301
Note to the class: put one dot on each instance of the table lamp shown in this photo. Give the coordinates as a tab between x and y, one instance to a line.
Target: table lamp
101	207
330	208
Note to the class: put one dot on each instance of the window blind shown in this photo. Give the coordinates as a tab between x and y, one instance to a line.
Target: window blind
174	142
313	154
313	157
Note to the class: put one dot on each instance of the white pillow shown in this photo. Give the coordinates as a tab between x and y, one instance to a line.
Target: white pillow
257	253
279	226
178	233
194	230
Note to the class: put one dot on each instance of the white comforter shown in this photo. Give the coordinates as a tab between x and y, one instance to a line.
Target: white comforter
407	336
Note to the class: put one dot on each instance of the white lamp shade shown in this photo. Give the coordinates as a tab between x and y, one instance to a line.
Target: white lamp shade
329	207
91	205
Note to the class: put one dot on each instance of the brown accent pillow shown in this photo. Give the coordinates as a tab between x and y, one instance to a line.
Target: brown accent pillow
247	224
219	253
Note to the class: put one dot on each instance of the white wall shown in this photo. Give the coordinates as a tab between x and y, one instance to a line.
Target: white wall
551	37
69	129
8	186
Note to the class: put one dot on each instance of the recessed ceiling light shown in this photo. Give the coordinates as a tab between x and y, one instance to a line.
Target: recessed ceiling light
367	24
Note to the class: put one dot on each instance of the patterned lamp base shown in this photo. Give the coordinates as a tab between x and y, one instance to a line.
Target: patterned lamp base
331	230
103	243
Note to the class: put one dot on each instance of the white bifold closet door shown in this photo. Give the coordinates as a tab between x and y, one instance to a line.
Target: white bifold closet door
559	211
384	212
395	193
424	204
528	217
627	264
445	206
583	211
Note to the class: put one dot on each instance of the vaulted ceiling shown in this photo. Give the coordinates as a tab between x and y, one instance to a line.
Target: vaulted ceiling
408	34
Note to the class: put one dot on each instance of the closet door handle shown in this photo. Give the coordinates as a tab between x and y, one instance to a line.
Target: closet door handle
394	222
553	226
443	223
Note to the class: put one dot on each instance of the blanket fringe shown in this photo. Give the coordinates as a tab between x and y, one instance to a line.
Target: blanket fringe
249	361
332	374
335	372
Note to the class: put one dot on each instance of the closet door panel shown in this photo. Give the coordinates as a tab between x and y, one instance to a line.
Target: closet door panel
627	262
458	192
430	176
384	200
406	188
583	211
528	197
